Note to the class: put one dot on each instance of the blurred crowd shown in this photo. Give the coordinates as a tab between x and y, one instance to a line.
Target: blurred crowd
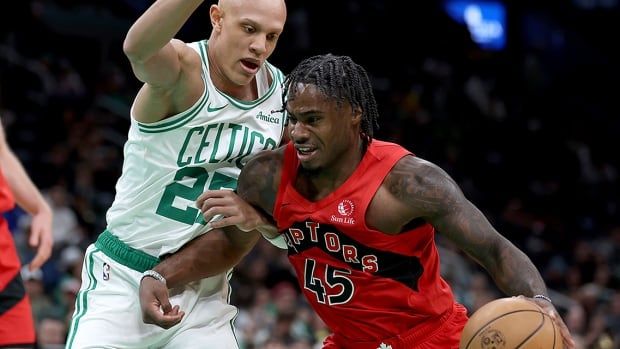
529	133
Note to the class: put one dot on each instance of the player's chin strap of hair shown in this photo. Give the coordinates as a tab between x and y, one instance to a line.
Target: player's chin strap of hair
538	296
155	275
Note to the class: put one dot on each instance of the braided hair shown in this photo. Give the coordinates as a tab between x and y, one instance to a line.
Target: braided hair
339	78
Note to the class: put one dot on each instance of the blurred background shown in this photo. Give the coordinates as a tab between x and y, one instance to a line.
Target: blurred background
515	100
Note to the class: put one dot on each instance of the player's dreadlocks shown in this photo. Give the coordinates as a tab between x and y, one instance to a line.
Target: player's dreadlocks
340	78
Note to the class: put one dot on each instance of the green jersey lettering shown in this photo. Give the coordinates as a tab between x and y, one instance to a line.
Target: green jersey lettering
216	144
203	144
188	137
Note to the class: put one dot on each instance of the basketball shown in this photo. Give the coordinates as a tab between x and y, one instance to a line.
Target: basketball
510	323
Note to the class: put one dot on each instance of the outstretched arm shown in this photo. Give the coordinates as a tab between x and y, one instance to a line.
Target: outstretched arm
430	193
148	44
210	254
169	68
30	199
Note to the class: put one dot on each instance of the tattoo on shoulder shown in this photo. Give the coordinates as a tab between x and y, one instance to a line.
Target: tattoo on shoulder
259	180
423	185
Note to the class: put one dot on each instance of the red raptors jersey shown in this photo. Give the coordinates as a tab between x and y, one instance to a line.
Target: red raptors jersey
9	262
16	323
366	285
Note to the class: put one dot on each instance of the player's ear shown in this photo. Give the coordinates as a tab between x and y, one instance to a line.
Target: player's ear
216	14
356	115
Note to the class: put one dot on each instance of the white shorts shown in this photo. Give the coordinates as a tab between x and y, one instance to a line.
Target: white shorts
108	315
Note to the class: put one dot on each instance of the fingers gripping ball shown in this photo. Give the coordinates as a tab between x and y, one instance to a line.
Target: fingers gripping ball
510	323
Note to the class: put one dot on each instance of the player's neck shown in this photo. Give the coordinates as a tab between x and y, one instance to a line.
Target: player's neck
317	184
247	92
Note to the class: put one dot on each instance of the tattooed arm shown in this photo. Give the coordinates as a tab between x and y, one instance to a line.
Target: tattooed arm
430	193
426	191
258	186
252	207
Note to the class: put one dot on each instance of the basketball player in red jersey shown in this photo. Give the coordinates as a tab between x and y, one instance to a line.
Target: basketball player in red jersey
16	324
358	217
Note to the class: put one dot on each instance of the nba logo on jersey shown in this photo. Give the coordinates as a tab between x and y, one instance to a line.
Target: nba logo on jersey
346	207
106	271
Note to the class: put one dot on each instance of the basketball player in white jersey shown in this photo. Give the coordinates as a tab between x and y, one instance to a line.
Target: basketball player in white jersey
204	109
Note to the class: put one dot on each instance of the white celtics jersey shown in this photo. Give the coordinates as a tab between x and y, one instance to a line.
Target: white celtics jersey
169	163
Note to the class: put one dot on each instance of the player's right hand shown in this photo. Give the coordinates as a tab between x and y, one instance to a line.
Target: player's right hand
547	307
41	237
155	304
233	209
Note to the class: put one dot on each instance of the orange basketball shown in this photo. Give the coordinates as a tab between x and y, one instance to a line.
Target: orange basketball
510	323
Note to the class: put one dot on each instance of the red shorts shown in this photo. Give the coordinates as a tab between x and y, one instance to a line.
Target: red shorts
442	333
16	324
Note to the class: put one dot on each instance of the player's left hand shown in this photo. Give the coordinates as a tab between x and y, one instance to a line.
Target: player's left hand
155	304
548	308
235	211
41	238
